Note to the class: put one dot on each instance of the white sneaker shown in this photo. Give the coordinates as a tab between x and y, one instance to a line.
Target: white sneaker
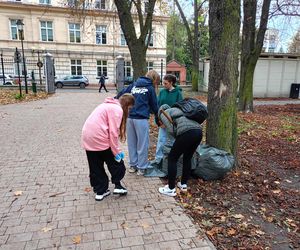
140	172
100	197
119	189
182	187
167	191
132	169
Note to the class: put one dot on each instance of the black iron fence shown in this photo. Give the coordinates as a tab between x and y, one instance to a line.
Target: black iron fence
11	70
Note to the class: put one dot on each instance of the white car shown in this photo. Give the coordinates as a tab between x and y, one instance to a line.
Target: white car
8	79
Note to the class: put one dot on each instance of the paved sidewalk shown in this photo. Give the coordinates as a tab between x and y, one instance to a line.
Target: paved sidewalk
44	184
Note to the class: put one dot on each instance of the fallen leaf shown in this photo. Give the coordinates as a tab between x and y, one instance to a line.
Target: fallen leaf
87	189
231	231
77	239
18	193
124	225
260	232
276	191
214	231
46	229
238	216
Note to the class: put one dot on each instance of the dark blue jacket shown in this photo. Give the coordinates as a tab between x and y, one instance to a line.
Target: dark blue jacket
145	98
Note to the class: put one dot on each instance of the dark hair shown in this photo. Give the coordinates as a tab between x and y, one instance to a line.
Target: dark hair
170	78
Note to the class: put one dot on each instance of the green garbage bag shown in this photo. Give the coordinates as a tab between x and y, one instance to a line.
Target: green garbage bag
213	163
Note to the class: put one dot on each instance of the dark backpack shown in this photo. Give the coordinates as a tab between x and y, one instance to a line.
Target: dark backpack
192	109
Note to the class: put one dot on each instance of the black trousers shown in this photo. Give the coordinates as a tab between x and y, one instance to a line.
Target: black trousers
102	85
185	144
98	177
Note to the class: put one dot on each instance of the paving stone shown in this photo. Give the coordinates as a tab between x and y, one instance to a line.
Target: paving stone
110	244
54	182
132	241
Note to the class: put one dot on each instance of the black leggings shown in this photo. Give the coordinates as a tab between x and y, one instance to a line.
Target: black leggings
185	144
102	86
98	177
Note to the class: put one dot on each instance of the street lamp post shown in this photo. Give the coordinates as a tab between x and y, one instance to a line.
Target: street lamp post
20	26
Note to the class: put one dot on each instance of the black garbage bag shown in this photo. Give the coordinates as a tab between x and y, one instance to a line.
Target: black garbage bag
213	163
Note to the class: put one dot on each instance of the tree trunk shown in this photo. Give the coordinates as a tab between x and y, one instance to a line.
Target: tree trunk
252	42
137	45
138	58
224	25
246	86
195	76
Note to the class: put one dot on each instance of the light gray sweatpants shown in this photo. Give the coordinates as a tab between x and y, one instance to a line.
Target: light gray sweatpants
138	142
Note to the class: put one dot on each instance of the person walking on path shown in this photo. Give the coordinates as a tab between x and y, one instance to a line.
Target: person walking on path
100	134
102	83
138	125
170	94
188	135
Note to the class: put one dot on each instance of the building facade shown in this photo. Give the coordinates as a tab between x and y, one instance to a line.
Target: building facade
81	42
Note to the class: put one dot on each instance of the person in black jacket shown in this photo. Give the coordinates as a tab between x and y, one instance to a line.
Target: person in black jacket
102	83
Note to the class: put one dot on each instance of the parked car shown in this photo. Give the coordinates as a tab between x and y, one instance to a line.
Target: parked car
74	80
8	80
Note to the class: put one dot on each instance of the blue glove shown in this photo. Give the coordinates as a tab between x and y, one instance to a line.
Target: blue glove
119	156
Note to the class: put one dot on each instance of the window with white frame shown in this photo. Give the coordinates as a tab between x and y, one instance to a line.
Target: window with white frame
127	69
100	4
151	43
45	2
150	66
122	39
76	68
46	31
74	32
14	30
101	67
101	33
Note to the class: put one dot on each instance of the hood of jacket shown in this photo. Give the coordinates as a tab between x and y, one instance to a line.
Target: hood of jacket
143	81
112	100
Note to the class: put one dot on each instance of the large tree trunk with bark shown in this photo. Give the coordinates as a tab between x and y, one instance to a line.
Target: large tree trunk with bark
252	43
224	25
137	44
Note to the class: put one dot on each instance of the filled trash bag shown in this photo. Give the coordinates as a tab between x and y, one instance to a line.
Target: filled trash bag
212	163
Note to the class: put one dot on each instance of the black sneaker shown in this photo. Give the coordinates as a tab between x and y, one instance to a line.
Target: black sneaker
100	197
119	189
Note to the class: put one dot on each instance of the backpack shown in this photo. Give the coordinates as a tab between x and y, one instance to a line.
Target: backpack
192	109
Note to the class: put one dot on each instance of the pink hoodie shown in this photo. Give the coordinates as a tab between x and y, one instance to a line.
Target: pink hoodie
101	129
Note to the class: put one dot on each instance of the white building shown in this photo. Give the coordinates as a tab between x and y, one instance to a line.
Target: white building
85	44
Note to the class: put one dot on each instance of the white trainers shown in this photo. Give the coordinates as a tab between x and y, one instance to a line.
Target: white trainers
132	169
119	189
167	191
100	197
182	187
140	172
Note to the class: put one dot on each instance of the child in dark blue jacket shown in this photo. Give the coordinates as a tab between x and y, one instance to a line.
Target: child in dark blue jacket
137	124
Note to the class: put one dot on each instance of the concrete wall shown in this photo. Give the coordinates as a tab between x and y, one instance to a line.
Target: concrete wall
273	76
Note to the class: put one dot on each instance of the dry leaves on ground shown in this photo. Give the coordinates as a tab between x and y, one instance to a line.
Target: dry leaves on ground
257	205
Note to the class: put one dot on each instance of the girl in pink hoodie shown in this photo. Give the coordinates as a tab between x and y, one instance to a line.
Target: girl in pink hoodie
100	138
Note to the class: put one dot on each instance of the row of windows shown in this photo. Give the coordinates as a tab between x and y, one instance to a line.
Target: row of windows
46	31
101	67
98	4
76	67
